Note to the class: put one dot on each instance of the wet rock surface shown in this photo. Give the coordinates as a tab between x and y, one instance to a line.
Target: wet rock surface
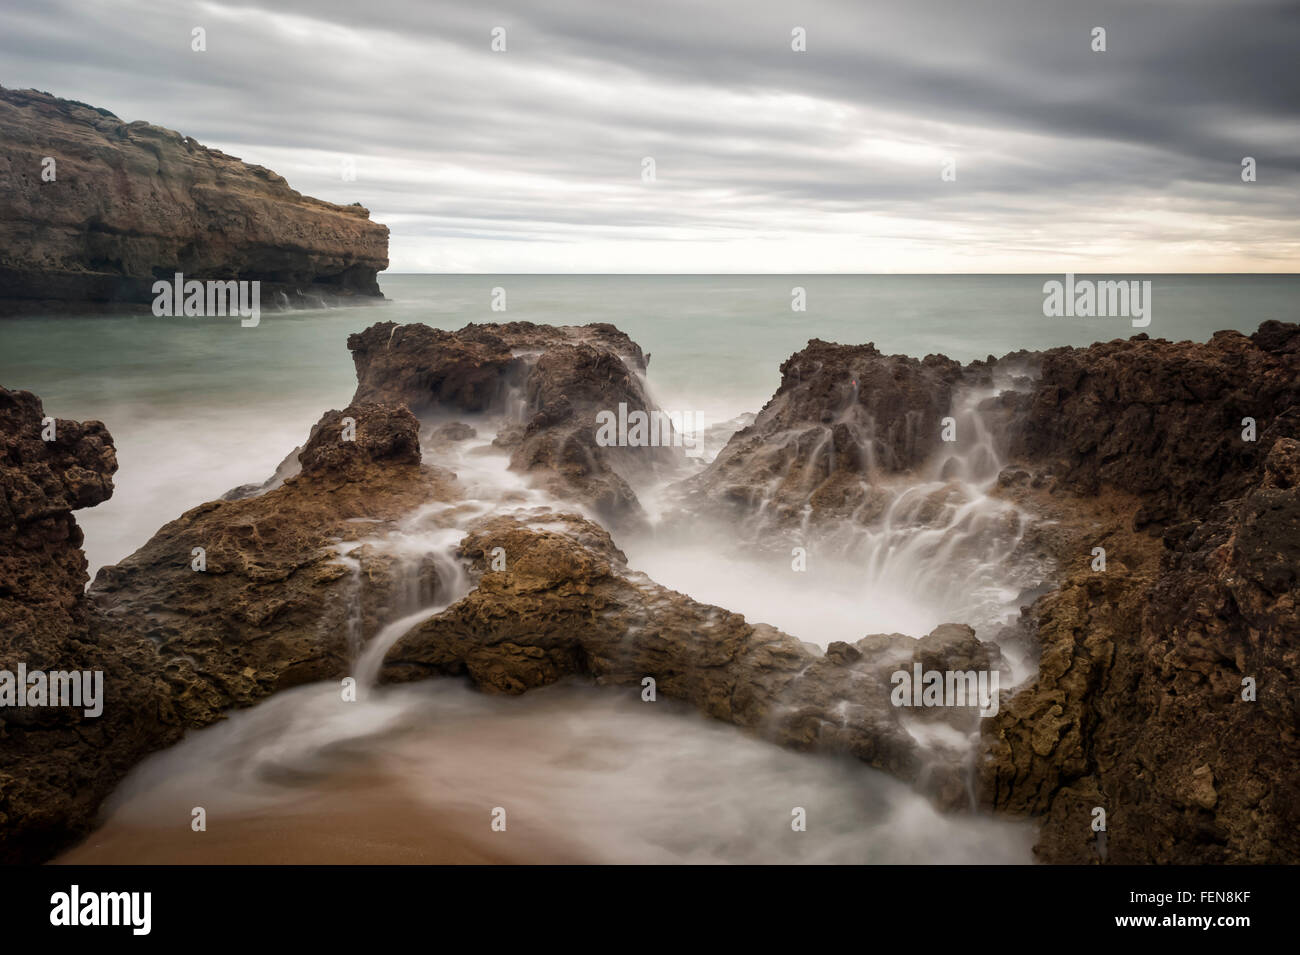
567	604
547	385
132	203
56	764
843	416
1136	705
271	607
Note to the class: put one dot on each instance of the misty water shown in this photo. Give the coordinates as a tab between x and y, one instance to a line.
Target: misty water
198	406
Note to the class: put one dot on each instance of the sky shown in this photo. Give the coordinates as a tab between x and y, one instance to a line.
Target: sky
765	158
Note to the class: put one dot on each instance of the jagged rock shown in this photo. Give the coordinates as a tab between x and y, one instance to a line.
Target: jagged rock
1138	703
568	604
270	608
132	203
1165	419
546	384
349	444
843	415
1139	667
57	763
275	604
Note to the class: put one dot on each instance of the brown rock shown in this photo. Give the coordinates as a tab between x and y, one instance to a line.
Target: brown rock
57	763
272	607
132	203
568	604
842	416
545	385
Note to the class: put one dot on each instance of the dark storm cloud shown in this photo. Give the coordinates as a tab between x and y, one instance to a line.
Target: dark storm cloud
750	139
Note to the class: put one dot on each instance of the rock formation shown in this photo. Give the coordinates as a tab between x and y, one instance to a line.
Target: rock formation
57	764
1164	690
267	607
130	203
545	385
842	416
1165	419
566	603
1179	459
180	641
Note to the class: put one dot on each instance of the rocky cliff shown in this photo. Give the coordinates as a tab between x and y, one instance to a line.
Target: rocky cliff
94	210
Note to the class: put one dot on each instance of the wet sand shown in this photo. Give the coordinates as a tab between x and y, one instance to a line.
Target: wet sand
376	825
413	775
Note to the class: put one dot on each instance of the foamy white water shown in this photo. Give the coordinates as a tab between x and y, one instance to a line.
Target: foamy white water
943	551
593	773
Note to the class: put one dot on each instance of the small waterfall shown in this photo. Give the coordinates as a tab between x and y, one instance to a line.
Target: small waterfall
354	623
917	550
428	578
974	458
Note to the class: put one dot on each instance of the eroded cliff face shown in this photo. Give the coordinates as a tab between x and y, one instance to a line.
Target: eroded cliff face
131	203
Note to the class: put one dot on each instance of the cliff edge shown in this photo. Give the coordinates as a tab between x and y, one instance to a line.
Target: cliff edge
95	210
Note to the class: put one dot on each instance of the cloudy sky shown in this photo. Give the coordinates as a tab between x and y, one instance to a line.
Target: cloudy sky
765	159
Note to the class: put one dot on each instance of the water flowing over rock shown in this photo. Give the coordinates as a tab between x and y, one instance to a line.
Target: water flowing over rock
269	602
284	594
131	203
566	603
843	416
546	385
885	464
1161	680
1136	706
